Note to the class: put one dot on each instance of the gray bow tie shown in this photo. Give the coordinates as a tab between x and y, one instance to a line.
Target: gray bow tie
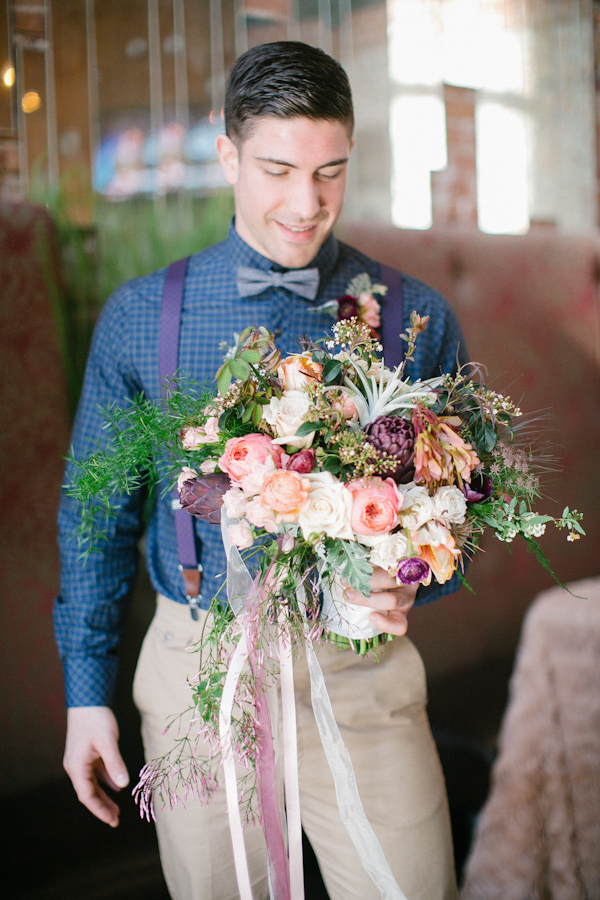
304	282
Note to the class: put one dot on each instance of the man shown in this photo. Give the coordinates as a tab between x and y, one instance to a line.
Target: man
289	123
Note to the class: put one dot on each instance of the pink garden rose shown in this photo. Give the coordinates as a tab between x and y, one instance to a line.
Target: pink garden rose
375	505
242	454
260	515
286	493
368	309
203	434
241	535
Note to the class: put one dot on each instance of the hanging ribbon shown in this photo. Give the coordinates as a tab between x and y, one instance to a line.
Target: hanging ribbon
285	871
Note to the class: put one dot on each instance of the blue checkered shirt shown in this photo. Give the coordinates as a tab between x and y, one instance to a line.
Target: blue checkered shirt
90	611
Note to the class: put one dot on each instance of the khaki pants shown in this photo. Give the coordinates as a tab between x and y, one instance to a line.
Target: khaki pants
380	709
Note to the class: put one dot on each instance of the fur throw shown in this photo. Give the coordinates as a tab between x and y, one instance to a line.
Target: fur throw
538	836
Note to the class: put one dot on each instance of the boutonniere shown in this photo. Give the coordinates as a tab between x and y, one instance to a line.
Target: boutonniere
359	302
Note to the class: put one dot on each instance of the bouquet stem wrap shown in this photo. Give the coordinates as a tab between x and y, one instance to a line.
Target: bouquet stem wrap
285	869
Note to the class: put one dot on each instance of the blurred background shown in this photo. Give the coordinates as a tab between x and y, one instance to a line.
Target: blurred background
475	169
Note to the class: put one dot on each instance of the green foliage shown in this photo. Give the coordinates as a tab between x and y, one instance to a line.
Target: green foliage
142	449
350	561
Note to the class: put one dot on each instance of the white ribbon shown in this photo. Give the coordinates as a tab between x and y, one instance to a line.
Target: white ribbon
337	612
351	809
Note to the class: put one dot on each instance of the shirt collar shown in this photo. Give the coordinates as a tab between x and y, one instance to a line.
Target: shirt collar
241	254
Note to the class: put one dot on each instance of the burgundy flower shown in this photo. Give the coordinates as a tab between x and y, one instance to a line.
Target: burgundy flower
479	489
302	462
412	570
202	496
347	307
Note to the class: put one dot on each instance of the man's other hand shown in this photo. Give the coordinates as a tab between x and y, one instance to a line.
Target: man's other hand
394	601
92	756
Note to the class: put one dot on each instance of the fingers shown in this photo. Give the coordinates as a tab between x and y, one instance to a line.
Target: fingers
92	755
393	622
391	602
94	798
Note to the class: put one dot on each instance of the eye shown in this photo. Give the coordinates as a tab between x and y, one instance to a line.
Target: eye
329	176
275	174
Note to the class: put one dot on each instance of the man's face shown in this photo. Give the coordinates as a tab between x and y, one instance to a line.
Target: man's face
289	179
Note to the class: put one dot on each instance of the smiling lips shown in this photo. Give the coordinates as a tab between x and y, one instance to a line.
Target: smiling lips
298	233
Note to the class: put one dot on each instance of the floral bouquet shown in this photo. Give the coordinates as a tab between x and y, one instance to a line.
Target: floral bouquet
318	467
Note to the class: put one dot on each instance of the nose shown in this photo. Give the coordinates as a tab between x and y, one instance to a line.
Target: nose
304	201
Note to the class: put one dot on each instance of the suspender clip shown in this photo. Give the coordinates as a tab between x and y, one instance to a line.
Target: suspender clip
192	578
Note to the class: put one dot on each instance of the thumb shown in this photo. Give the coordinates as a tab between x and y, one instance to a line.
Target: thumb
114	772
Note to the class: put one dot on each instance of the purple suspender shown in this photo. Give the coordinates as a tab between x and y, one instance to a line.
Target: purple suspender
170	321
391	317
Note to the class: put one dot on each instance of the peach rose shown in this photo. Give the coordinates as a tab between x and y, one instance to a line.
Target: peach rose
297	371
438	549
242	454
375	505
286	493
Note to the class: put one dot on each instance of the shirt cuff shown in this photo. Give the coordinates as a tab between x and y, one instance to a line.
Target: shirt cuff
429	593
90	680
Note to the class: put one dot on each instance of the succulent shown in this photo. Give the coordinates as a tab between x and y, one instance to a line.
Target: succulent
202	496
396	437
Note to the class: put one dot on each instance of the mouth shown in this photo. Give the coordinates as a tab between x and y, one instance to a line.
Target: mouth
298	233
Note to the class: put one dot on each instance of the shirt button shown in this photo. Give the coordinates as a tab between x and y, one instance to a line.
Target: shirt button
277	332
168	636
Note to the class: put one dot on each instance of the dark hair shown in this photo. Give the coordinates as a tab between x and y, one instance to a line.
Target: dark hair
285	79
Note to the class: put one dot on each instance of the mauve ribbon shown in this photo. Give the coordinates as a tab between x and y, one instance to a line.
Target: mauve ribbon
238	661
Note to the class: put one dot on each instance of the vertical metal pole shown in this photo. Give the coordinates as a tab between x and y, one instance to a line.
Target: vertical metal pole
346	36
325	39
92	83
22	124
241	27
217	60
154	54
293	21
51	127
182	108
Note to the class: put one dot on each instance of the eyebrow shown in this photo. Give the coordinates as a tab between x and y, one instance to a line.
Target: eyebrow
281	162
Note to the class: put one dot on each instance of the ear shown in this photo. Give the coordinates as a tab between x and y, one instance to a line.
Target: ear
229	158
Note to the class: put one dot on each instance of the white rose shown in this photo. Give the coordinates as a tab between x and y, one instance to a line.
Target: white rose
417	508
329	508
449	504
388	551
286	414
